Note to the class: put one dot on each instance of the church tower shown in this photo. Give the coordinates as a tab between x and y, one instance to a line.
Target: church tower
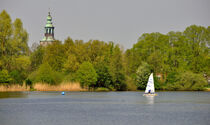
49	32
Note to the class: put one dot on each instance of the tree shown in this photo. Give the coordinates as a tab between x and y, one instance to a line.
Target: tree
4	77
71	65
19	42
37	57
116	68
86	75
69	46
142	75
55	56
20	69
197	40
191	81
5	31
45	74
104	78
14	49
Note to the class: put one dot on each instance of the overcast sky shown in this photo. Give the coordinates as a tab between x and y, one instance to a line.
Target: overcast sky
120	21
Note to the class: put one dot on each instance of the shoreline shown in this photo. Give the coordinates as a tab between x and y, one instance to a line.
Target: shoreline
68	86
65	86
104	91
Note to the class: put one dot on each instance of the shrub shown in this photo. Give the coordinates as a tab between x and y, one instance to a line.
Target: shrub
102	89
86	75
142	75
16	76
191	81
45	74
4	77
29	83
104	78
185	81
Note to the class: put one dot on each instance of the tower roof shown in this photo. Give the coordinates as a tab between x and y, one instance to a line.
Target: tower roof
49	21
49	32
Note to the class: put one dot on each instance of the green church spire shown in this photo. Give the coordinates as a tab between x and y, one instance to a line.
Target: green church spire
49	21
49	32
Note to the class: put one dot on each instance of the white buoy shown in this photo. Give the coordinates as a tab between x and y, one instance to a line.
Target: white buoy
62	93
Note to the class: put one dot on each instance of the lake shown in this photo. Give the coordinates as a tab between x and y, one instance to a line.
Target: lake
104	108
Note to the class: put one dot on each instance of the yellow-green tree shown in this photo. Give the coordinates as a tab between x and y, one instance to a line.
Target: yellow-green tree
86	75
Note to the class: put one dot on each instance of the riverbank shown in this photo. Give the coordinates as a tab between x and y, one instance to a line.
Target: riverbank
43	87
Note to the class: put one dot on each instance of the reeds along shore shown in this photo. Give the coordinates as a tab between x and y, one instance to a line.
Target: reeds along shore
67	86
43	87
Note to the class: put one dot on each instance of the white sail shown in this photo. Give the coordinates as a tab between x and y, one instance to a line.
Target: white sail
150	85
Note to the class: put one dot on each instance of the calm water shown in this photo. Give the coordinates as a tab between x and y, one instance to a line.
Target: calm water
104	108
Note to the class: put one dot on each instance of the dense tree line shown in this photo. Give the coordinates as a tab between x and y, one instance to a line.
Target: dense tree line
179	60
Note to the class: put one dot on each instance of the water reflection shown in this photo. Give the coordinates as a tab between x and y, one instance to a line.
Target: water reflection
150	99
13	95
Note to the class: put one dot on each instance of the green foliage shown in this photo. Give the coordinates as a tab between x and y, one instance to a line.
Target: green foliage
29	83
71	77
142	75
158	83
46	74
116	69
102	89
102	69
130	83
191	81
55	56
4	77
86	75
37	57
19	45
171	53
185	81
14	48
16	76
71	64
5	32
171	78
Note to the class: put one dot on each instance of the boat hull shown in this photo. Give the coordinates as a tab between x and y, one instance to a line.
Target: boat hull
149	94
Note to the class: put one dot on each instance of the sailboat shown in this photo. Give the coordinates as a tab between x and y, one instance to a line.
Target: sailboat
150	89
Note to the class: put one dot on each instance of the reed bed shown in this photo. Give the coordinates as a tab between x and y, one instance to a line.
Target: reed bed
14	87
207	89
67	86
59	87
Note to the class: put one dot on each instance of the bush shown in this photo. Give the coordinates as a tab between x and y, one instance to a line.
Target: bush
71	77
142	75
4	77
86	75
45	74
16	76
29	83
185	81
171	80
102	89
191	81
104	79
158	84
130	83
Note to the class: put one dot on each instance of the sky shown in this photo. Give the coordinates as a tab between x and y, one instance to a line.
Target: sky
120	21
